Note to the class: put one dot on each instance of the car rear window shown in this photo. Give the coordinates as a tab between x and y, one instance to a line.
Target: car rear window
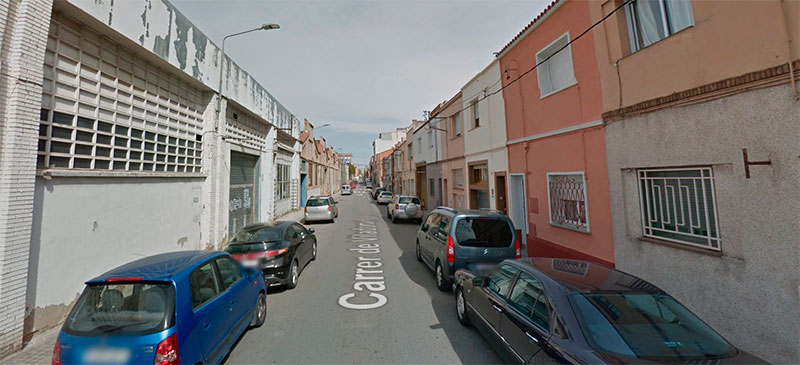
406	200
122	308
386	193
317	202
648	326
257	235
483	232
238	248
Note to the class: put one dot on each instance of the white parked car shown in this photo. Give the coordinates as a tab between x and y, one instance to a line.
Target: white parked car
320	208
346	190
384	197
405	207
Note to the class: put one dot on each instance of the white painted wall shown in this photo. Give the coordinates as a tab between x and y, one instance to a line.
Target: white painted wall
85	226
428	153
492	132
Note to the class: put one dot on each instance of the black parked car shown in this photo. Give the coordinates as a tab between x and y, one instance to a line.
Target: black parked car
546	310
279	249
451	239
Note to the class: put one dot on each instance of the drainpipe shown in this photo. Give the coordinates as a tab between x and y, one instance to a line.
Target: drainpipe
791	48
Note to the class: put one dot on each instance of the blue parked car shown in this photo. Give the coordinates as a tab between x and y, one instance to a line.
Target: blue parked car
181	307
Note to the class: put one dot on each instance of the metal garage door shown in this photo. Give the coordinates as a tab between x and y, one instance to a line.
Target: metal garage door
106	108
243	197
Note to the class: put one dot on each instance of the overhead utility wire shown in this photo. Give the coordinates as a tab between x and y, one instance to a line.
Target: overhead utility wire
548	57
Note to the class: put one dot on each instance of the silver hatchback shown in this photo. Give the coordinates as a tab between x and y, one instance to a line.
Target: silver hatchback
321	208
404	207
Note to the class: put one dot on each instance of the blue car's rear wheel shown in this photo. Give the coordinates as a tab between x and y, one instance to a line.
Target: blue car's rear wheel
260	315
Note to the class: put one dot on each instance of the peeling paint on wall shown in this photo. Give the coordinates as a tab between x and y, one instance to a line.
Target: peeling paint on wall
163	30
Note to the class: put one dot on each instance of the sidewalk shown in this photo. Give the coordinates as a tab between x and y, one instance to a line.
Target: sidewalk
39	350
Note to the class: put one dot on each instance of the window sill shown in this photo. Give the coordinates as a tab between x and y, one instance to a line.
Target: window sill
47	173
574	82
571	228
679	246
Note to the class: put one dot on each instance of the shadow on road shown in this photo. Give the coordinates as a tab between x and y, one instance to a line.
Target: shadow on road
463	339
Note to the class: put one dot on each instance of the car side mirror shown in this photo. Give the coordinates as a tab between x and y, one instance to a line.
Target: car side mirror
477	281
311	230
249	271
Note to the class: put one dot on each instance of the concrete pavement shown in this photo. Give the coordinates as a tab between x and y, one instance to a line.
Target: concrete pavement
417	324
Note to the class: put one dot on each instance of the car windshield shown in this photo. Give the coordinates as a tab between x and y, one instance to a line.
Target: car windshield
122	308
483	232
257	235
647	326
406	200
317	202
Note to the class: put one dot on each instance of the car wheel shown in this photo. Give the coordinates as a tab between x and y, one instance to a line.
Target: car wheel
260	314
461	307
441	282
419	256
291	281
387	213
314	251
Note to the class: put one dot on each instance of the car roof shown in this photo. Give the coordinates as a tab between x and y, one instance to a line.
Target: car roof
319	197
585	276
158	267
477	212
262	225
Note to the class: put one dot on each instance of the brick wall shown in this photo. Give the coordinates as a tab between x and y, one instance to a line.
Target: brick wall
24	25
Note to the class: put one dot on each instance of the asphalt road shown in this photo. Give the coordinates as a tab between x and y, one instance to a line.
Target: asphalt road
417	324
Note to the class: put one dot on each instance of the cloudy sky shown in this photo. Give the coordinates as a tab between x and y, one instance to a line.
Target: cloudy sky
365	67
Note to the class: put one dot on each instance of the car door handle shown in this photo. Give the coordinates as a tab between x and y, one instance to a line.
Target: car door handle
532	337
498	309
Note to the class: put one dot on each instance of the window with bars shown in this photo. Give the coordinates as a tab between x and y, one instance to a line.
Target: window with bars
103	108
283	183
679	205
566	194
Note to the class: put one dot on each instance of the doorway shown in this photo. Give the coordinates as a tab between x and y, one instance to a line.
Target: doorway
500	192
517	204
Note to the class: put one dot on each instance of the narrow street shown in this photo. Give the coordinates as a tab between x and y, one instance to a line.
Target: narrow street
418	324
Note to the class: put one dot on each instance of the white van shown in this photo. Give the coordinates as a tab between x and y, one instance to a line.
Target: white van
346	190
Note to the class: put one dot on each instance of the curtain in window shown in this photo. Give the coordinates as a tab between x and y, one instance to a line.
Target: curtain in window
679	13
650	21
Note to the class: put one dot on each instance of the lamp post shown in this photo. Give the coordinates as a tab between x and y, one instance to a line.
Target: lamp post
222	59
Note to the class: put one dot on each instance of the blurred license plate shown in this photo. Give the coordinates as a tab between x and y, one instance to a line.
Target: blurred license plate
483	266
107	355
250	263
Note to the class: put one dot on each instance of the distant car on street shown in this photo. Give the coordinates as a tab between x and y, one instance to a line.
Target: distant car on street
384	197
405	207
320	208
281	250
545	310
180	307
352	185
368	185
452	239
376	192
346	190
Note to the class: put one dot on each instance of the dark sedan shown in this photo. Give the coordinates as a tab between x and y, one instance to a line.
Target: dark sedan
279	249
544	310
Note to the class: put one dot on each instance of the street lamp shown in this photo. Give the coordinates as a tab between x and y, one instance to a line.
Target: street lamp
222	59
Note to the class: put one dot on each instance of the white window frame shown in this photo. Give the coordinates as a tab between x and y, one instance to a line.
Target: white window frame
648	227
544	67
457	124
585	204
633	31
